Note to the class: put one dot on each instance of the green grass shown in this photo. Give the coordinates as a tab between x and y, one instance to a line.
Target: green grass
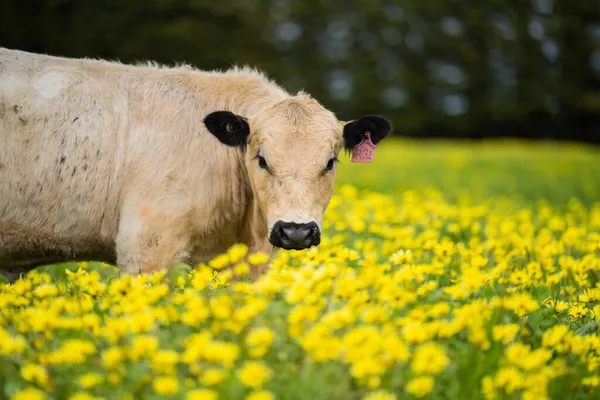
522	171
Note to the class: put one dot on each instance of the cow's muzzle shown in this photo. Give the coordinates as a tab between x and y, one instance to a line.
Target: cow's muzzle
293	236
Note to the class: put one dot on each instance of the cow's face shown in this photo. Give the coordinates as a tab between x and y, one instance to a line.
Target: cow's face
291	152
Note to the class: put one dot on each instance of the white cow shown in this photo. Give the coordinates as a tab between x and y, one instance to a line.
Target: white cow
146	166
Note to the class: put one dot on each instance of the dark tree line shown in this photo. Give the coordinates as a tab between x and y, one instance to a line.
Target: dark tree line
525	68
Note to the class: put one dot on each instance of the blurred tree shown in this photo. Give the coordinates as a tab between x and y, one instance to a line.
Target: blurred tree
527	68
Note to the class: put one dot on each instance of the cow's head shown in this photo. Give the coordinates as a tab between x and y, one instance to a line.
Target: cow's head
291	150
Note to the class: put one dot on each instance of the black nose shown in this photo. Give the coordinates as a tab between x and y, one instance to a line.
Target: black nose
290	235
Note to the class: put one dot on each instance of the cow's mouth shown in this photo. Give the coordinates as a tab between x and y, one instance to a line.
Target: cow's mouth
294	236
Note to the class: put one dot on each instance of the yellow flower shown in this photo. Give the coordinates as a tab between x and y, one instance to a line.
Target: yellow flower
221	278
536	386
237	252
578	311
114	329
376	314
380	395
590	295
221	306
222	352
202	394
509	379
45	291
241	269
73	351
254	374
141	322
112	357
516	352
35	374
219	262
488	388
396	348
420	386
142	346
258	341
164	361
555	335
536	359
165	385
260	395
202	276
505	333
521	303
213	376
367	367
429	358
90	380
11	345
29	394
591	381
596	312
258	258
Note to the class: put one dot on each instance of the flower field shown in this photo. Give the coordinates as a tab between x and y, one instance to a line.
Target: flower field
447	271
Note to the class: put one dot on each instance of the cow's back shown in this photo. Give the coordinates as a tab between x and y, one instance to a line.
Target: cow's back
60	153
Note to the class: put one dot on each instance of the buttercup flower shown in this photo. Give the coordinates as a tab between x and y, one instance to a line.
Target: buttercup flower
254	374
429	358
29	394
421	386
165	385
260	395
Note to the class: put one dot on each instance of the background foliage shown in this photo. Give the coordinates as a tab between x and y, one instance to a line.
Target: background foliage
528	68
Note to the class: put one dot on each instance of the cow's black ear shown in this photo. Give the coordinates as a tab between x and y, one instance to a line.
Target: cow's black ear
354	131
230	129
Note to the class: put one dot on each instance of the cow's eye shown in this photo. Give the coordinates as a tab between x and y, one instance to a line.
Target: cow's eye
262	163
330	164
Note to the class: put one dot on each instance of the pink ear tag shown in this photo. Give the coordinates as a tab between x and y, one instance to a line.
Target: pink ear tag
364	151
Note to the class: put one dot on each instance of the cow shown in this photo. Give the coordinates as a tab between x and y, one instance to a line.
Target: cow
145	166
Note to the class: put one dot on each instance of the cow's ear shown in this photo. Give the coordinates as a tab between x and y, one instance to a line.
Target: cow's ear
230	129
354	131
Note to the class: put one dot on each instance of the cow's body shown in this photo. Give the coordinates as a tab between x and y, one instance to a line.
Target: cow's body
86	144
112	162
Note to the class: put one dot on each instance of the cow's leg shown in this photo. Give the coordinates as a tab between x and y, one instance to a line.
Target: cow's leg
150	239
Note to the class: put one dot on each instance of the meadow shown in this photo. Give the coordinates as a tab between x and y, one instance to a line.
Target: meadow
446	271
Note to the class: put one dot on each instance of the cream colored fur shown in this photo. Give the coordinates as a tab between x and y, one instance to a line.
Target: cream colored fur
101	160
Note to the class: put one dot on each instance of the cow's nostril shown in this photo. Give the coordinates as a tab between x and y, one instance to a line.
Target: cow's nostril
297	234
280	231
